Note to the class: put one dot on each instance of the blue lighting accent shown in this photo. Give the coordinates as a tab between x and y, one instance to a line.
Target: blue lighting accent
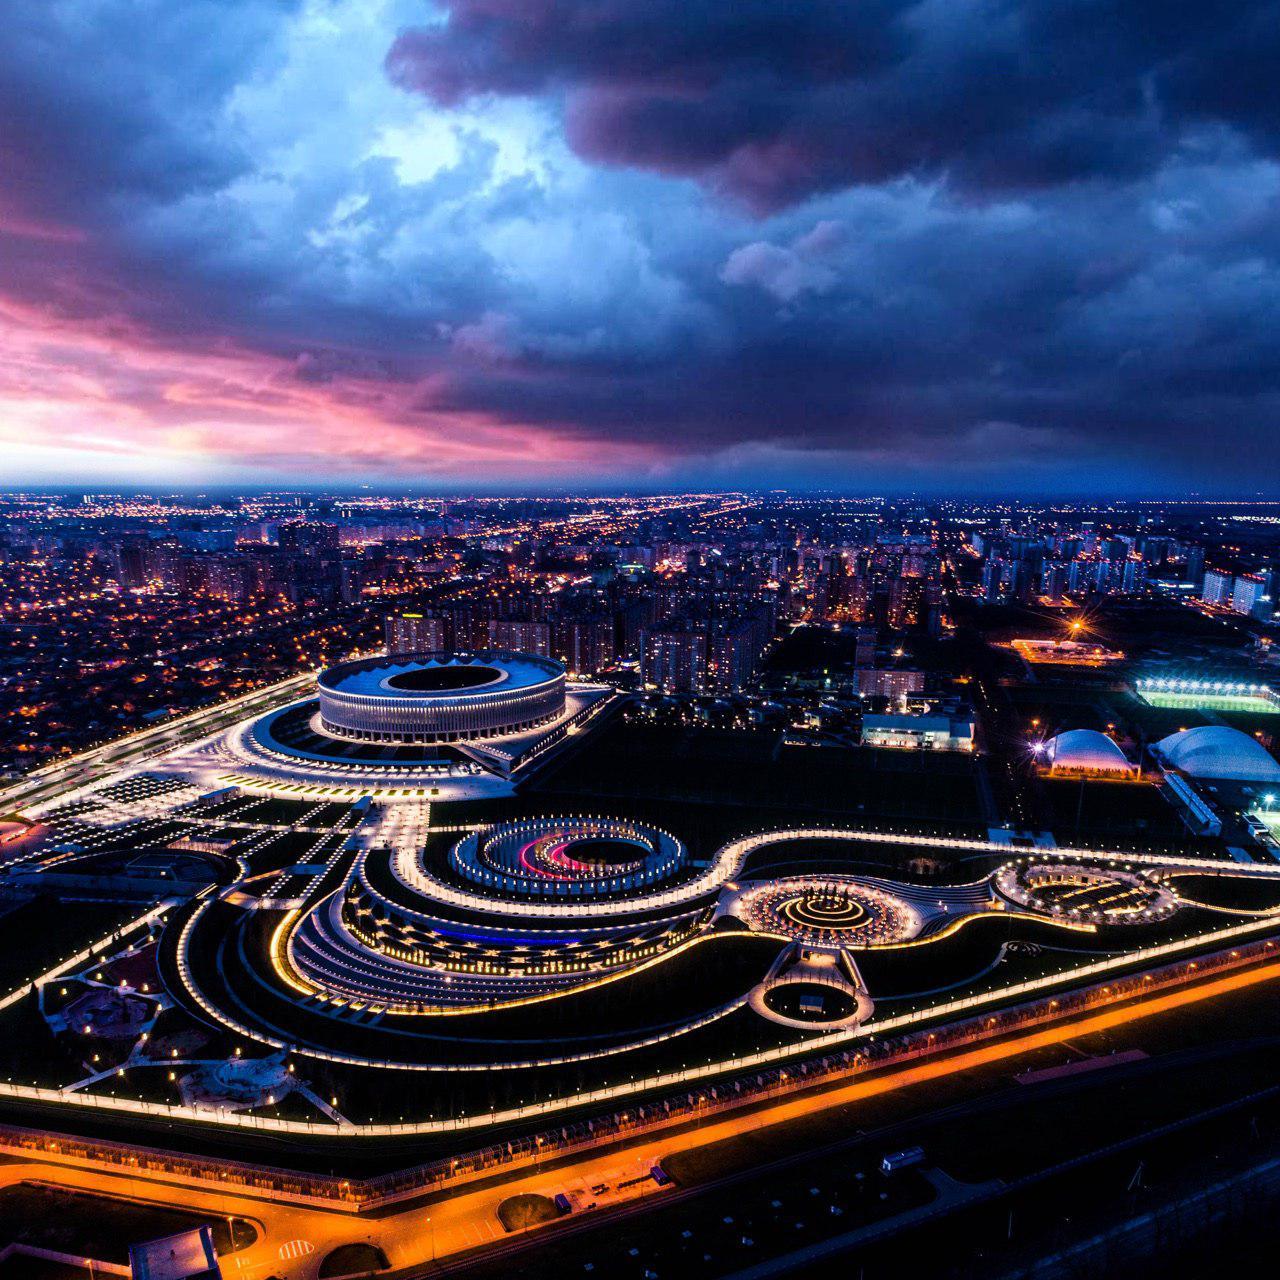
505	939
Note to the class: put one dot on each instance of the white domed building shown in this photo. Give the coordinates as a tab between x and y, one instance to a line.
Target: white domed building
1218	751
1086	753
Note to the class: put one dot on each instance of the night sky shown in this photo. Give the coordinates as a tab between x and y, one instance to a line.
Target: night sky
958	245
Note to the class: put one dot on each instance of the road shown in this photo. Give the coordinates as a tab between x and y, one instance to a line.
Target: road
453	1224
91	766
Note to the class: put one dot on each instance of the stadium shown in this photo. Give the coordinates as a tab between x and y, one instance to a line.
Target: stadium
440	697
437	726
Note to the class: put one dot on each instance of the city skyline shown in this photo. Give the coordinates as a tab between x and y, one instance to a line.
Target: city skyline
484	246
651	885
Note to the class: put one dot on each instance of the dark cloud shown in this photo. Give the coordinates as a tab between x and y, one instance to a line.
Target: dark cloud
902	330
774	102
116	99
671	46
1004	234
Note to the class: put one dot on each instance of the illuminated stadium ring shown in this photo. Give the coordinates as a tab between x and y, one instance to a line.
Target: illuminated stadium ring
568	857
355	946
1084	892
381	947
440	697
840	911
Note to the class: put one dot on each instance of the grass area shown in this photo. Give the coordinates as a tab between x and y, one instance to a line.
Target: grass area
30	1052
46	930
356	1259
518	1212
958	958
750	779
102	1227
1243	892
796	1000
22	1267
1247	704
859	857
1108	1108
1108	808
181	866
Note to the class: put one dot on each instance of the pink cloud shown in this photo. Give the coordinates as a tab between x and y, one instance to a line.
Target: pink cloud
109	385
23	228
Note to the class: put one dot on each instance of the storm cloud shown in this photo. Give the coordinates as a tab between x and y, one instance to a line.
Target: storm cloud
773	103
962	244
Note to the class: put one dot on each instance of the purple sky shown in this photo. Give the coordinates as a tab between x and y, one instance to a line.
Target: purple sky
961	244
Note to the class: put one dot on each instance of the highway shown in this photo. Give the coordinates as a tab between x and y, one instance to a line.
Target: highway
90	766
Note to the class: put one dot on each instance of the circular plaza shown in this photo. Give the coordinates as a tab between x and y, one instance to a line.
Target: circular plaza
1084	893
568	857
829	911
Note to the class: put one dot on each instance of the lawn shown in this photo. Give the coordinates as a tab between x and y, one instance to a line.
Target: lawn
102	1227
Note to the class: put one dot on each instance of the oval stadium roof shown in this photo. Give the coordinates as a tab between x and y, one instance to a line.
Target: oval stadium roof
1087	750
1216	751
500	671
